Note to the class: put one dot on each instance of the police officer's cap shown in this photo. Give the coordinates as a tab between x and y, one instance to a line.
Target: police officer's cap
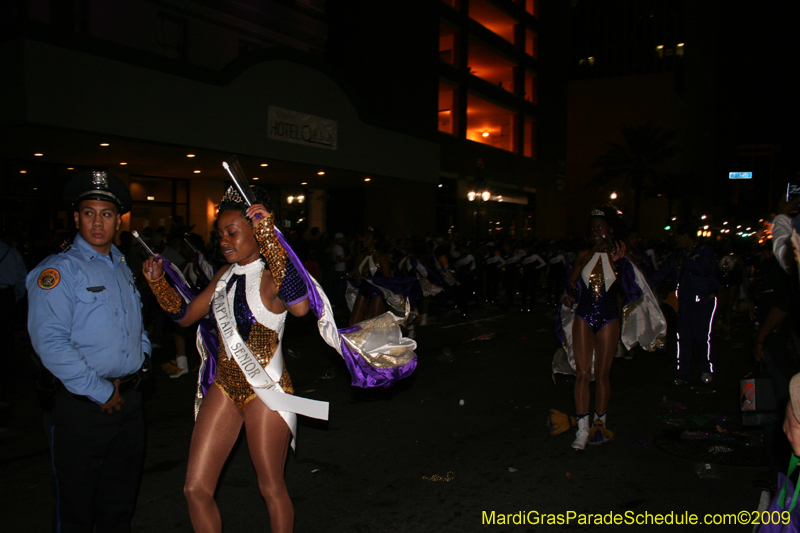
97	185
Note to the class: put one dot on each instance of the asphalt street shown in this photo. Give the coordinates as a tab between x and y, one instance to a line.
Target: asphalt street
461	439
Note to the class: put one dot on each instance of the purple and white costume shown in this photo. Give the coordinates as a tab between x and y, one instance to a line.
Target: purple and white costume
600	283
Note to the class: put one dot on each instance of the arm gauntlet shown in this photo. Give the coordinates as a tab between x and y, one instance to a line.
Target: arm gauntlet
293	290
271	249
168	298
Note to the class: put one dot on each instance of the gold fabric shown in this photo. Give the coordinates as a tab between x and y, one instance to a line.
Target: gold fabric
366	272
271	249
168	298
262	342
596	279
380	343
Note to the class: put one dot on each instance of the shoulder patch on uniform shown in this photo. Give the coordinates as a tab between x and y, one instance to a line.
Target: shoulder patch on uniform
49	278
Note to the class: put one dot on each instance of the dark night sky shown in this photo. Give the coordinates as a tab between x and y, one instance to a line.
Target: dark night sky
759	69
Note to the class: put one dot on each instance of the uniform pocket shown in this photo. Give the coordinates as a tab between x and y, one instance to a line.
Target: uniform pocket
90	297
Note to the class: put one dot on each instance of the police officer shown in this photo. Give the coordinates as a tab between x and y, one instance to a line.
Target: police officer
693	271
85	323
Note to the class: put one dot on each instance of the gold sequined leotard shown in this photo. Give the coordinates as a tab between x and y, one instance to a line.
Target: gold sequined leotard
260	328
368	266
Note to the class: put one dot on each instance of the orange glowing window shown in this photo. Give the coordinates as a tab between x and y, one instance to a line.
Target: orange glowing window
532	7
447	108
529	138
531	43
531	88
448	43
489	123
493	18
491	66
455	4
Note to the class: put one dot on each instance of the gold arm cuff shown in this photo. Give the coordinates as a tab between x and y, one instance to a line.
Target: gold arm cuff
271	249
168	298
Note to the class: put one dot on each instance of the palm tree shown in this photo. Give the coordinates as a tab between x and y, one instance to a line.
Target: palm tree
637	163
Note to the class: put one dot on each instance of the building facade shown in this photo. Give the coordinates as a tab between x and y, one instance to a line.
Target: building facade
162	93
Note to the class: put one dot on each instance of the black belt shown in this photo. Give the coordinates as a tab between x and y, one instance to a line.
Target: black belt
126	383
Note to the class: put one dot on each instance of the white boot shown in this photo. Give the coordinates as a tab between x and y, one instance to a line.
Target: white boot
599	433
183	366
582	435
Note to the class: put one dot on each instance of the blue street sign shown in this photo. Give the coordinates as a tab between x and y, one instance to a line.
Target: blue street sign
740	175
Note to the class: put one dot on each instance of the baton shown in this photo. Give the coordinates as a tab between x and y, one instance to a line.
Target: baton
146	248
186	239
236	173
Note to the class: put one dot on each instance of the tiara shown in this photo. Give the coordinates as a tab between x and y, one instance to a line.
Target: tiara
232	195
597	213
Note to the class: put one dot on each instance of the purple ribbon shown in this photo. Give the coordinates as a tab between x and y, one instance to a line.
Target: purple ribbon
207	326
362	373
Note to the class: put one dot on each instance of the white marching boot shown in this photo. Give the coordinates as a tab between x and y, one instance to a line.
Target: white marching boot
582	435
183	366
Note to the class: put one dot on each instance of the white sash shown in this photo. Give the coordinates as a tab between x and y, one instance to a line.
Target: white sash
264	381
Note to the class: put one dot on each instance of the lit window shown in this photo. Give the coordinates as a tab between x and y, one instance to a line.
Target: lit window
455	4
492	18
447	108
448	41
486	117
531	43
532	7
531	88
491	66
529	138
660	50
679	49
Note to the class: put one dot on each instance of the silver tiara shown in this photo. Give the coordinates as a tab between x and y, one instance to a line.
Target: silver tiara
597	213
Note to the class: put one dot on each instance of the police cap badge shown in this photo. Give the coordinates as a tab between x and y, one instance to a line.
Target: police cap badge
97	185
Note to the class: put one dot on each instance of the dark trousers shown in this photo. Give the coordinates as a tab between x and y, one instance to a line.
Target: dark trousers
694	335
8	357
463	291
555	283
530	278
492	284
510	278
97	463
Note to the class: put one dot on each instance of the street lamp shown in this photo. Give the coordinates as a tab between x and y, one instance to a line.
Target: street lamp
478	197
613	196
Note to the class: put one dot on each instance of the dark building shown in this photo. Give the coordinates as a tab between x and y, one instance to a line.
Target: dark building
712	73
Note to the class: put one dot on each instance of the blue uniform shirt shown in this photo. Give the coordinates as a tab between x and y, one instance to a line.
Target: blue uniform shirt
697	273
85	319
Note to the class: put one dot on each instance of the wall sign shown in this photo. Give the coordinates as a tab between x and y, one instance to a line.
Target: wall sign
301	128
